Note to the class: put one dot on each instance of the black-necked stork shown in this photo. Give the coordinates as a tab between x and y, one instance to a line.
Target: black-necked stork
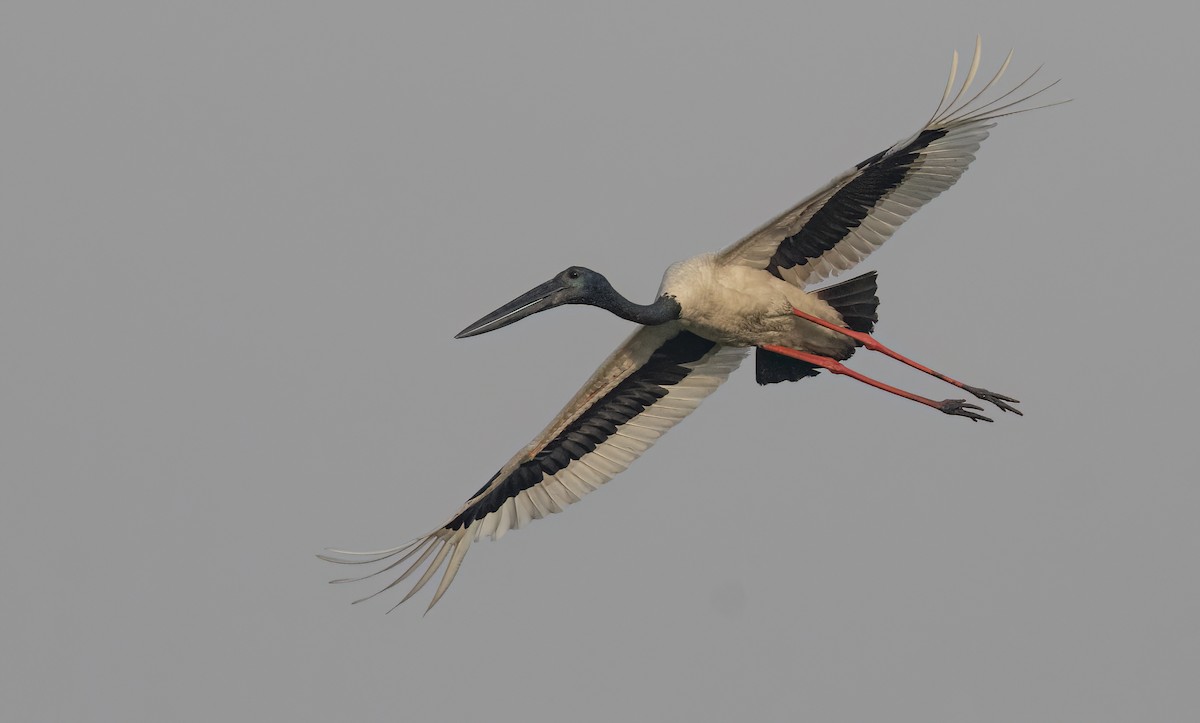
710	310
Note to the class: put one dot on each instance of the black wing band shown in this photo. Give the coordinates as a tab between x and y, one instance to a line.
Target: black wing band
850	205
632	396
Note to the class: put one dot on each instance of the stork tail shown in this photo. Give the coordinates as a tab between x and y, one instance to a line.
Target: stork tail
855	299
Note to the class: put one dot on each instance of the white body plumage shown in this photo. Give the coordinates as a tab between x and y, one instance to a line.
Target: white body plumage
743	306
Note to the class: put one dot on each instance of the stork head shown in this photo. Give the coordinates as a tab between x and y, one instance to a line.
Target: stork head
575	285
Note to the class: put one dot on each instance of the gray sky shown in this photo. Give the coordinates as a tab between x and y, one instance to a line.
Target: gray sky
238	238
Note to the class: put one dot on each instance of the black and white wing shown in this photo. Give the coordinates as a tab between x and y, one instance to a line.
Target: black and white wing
837	227
656	378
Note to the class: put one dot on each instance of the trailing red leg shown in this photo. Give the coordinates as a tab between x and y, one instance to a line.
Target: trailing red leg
956	407
869	342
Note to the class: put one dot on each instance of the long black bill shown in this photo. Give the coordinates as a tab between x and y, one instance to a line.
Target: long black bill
537	299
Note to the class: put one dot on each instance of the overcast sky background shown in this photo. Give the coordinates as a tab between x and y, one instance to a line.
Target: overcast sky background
236	240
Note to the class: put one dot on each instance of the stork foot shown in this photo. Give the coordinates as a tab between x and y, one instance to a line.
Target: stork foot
960	408
997	399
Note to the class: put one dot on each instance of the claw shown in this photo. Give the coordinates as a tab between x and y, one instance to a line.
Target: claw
997	399
960	408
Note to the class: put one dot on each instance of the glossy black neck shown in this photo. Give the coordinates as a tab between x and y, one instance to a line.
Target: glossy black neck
664	308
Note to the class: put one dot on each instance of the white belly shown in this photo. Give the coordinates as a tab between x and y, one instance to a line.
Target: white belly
740	306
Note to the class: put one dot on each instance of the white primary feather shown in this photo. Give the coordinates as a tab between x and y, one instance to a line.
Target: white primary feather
571	483
937	167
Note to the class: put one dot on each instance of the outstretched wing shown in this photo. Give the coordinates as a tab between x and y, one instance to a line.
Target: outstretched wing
656	378
837	227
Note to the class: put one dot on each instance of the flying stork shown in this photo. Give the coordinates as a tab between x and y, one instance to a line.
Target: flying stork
710	310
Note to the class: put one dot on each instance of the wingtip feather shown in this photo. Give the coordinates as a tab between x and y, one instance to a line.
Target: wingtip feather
949	87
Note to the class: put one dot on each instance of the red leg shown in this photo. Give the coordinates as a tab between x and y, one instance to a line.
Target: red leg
871	344
956	407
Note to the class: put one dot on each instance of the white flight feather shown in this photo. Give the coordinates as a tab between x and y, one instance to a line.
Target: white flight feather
937	167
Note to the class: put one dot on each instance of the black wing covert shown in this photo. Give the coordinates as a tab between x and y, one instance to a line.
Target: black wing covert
655	379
